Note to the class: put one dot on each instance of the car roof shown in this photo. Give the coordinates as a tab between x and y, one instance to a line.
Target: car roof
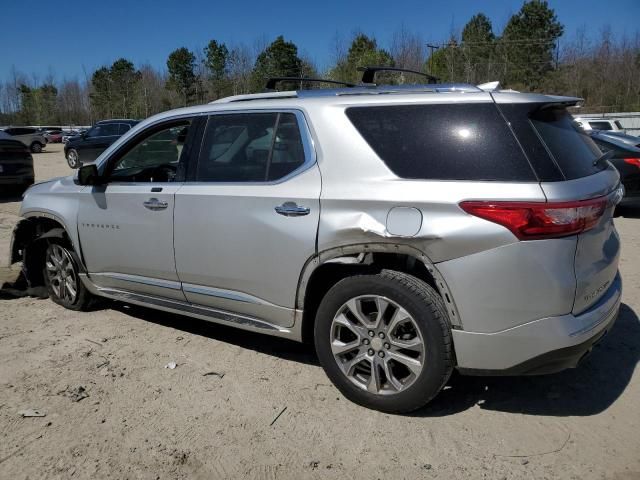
363	95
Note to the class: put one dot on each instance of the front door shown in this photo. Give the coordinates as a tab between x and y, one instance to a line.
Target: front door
247	223
126	225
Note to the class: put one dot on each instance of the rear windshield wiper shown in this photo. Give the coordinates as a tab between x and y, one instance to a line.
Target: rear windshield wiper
602	159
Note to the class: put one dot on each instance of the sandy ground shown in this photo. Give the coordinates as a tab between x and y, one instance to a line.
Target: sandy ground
214	416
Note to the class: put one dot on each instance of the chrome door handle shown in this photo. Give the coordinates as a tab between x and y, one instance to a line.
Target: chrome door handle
291	209
155	204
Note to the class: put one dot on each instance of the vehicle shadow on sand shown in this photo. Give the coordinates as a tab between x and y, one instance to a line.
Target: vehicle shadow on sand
275	346
587	390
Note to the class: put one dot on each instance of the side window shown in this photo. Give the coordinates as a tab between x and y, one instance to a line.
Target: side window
95	131
600	125
288	152
103	130
242	147
124	128
109	129
154	157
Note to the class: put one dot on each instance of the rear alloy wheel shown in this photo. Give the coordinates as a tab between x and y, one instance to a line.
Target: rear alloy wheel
36	147
377	354
384	341
62	280
73	159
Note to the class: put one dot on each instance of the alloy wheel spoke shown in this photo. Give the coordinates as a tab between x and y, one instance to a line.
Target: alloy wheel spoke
412	364
414	344
344	321
399	316
374	383
391	378
71	290
349	366
340	348
354	307
381	305
62	289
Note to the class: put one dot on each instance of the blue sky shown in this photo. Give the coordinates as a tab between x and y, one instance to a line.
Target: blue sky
63	37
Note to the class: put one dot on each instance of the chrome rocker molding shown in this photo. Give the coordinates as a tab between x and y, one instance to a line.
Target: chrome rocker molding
227	294
203	313
154	282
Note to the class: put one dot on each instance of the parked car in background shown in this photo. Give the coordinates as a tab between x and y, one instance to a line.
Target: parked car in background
53	136
16	164
29	136
67	134
625	157
89	145
598	123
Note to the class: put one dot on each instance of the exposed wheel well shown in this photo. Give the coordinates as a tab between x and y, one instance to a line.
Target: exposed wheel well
30	240
328	274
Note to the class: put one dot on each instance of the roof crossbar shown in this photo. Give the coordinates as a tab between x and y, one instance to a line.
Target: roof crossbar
271	82
369	73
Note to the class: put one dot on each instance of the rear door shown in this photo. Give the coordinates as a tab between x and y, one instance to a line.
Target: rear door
246	222
566	157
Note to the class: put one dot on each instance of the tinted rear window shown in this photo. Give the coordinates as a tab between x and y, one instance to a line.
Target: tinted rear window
443	142
571	148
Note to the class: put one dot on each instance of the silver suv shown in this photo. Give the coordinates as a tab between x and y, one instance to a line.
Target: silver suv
406	231
31	137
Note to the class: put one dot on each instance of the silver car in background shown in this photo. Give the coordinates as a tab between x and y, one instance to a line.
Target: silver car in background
406	231
29	136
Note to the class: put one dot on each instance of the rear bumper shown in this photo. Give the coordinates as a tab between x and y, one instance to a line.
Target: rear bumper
543	346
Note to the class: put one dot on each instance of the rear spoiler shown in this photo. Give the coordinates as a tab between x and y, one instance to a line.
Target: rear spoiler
542	101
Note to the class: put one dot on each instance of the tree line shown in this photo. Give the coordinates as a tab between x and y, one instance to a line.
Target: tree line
531	53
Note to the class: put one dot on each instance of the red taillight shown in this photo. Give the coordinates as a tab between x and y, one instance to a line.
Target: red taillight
536	220
633	161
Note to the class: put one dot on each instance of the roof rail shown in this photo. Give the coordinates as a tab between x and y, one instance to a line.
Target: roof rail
271	82
369	73
257	96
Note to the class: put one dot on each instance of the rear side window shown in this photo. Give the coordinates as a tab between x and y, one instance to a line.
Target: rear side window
123	128
571	148
443	142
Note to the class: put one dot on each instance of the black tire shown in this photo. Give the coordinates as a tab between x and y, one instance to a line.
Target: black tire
73	158
424	305
36	147
83	299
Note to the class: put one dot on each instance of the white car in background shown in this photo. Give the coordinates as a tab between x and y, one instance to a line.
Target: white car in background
599	123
